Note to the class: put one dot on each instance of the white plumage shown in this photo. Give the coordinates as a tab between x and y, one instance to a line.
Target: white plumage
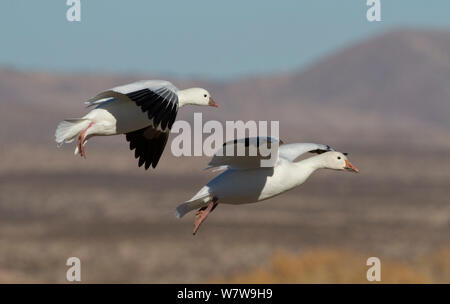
144	111
241	184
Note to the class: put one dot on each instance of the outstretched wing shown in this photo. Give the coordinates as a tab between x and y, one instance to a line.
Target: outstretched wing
157	98
247	153
292	151
148	145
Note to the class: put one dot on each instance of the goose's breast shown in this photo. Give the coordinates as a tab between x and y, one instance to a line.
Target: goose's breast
248	186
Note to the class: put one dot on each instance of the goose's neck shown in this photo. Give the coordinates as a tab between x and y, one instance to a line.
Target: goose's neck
186	97
304	168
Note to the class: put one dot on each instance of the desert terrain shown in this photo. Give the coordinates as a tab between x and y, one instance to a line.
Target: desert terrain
386	101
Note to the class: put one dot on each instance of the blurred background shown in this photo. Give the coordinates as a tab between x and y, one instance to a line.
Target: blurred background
378	90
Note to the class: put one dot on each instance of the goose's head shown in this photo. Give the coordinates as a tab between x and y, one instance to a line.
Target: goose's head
338	161
196	96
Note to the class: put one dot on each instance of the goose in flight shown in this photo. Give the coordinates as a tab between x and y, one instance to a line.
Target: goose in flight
245	181
144	111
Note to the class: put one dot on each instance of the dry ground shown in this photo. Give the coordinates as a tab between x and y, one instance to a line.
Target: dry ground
119	219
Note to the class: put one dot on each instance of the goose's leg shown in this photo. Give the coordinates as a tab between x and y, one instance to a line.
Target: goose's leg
82	141
203	213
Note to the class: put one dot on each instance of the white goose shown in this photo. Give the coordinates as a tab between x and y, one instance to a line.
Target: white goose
144	111
245	181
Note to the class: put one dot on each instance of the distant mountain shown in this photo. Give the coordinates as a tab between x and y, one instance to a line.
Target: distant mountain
403	73
392	88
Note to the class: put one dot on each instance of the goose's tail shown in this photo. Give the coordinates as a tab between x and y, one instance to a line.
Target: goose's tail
69	129
201	199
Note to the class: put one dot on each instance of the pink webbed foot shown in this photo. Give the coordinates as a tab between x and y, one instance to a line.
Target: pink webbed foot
82	141
202	214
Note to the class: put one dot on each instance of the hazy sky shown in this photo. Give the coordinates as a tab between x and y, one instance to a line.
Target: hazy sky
206	38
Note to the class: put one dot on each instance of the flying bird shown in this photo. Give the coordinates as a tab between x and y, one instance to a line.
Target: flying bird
244	180
144	111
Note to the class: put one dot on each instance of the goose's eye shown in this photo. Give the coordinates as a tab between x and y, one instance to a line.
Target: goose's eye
339	157
204	95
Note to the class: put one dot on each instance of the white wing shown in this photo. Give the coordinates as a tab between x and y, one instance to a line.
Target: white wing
292	151
157	98
246	153
153	85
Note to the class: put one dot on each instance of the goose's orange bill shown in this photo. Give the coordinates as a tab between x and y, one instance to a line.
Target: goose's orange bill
350	167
